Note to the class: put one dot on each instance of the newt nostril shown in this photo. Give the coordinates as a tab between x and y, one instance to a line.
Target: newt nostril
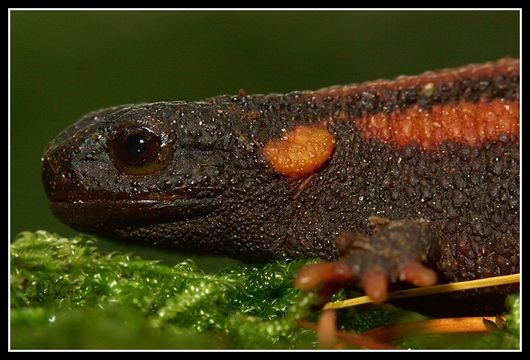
47	165
56	177
48	174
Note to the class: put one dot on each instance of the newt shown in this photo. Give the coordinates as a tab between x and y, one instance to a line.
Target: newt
412	180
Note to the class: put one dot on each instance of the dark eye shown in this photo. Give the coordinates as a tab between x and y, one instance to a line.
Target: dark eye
136	146
137	150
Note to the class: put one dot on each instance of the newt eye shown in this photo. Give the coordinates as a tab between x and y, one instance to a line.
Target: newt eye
137	150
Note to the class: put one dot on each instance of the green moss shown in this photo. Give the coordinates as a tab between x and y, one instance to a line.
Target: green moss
66	294
66	286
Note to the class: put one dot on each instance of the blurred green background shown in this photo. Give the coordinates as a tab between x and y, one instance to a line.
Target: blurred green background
67	63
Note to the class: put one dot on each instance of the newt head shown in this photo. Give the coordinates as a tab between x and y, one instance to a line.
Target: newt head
158	173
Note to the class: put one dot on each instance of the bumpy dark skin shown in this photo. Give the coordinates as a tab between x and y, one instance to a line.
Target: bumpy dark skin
453	208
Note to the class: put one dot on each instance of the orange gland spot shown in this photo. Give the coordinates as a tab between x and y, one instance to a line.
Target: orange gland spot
300	152
463	122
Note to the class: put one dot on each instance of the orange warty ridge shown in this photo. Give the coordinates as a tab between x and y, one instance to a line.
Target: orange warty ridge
463	122
505	67
300	152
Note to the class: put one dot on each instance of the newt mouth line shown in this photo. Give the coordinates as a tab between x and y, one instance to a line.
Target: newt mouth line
90	214
80	197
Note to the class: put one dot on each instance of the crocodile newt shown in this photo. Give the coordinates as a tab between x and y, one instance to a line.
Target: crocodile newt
414	179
